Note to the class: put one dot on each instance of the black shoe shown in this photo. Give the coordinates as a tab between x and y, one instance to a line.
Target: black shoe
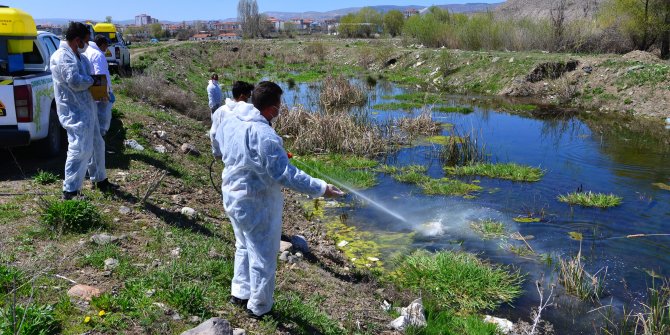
238	302
105	186
71	195
257	317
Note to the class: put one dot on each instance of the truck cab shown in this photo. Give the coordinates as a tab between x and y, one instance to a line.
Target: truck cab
118	54
27	104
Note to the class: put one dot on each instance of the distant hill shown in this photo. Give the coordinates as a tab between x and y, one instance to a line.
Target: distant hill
575	9
456	8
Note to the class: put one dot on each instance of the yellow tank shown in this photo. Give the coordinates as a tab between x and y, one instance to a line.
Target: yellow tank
19	24
104	28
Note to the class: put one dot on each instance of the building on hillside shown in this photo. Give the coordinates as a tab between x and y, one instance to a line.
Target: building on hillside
143	20
228	37
202	37
228	27
411	12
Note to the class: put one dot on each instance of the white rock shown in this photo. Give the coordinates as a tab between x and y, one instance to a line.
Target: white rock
399	323
342	244
213	326
495	59
188	211
111	264
175	252
285	246
511	60
160	149
284	256
411	315
239	331
133	145
505	326
386	306
373	259
124	210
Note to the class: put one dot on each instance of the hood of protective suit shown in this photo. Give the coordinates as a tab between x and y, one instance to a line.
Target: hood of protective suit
231	104
247	112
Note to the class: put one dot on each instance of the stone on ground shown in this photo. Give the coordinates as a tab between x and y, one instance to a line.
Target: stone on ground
505	326
84	292
213	326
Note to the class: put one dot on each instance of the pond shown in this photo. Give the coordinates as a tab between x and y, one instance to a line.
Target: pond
575	154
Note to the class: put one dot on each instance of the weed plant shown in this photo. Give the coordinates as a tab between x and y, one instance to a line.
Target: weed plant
353	171
29	320
338	93
461	150
306	315
454	109
509	171
9	278
446	186
45	177
77	216
590	199
446	322
421	125
457	281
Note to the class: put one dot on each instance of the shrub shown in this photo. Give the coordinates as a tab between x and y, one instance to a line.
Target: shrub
72	216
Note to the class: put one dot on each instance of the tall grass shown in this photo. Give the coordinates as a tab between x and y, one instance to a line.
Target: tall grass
510	171
339	93
314	132
421	125
457	281
577	281
461	150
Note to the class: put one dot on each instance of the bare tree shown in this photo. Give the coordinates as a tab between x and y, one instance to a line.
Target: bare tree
247	14
558	22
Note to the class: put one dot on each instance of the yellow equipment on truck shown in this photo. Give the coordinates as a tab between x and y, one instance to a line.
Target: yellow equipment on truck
117	54
27	105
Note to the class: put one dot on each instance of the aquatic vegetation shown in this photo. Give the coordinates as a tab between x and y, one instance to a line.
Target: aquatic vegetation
457	280
422	124
417	97
521	250
522	219
577	281
338	92
461	150
454	109
662	186
654	318
509	171
403	105
351	170
343	133
411	177
576	236
590	199
488	228
519	107
444	140
446	186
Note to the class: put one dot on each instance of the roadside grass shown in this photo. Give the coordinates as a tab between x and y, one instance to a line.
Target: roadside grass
349	170
509	171
454	109
590	199
45	177
457	281
71	216
488	228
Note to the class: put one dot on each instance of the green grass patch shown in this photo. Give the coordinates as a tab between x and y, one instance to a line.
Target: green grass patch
522	219
519	107
445	140
458	281
10	212
77	216
306	315
30	320
412	177
590	199
488	228
350	170
509	171
441	322
416	97
454	109
403	105
45	177
10	277
446	186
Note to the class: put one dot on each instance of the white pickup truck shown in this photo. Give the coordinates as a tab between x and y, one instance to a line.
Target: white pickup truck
27	105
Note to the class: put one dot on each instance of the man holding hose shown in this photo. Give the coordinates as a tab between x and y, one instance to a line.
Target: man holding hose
256	169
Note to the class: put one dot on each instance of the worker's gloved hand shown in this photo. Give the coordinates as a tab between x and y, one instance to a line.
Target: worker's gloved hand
333	192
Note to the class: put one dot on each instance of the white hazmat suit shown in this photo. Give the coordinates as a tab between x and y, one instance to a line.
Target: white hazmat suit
98	65
215	95
256	168
77	114
217	119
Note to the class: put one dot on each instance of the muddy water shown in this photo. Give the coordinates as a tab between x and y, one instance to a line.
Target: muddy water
574	156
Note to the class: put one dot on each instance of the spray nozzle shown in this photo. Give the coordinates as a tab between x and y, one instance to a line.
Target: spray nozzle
290	155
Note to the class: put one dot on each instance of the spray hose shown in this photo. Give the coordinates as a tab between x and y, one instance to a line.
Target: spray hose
211	177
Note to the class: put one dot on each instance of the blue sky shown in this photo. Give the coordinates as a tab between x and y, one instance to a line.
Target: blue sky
174	10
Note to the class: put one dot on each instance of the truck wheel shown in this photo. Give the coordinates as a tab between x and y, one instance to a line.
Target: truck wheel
127	69
52	145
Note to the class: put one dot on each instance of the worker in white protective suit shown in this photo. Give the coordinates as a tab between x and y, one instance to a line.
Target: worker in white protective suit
241	93
95	53
77	111
256	169
214	93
